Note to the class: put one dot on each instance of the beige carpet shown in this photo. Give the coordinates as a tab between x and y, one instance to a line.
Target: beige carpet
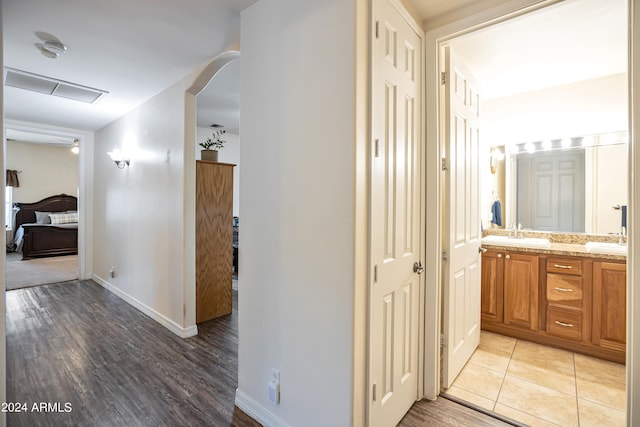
40	271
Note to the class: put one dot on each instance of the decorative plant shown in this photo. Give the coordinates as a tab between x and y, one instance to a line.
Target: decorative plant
215	142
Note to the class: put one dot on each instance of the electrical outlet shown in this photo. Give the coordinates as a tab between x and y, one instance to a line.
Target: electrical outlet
274	387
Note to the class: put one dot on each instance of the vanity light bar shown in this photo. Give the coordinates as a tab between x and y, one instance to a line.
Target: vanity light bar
548	144
566	143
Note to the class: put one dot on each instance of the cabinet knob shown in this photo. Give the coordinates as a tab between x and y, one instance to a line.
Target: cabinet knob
507	256
499	255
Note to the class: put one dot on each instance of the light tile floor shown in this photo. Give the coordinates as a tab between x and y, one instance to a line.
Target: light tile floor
542	386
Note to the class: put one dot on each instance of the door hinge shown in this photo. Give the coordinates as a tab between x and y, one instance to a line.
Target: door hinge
445	165
375	274
443	77
445	255
374	392
377	29
376	148
443	341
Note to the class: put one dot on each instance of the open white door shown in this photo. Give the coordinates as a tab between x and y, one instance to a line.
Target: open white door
461	230
395	217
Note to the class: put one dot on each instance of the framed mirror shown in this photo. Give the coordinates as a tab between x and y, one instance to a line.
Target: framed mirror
572	185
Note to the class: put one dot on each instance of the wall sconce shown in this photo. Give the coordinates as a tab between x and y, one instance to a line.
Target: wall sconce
496	156
120	158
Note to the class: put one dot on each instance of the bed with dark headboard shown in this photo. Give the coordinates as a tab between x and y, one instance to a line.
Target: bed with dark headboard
48	227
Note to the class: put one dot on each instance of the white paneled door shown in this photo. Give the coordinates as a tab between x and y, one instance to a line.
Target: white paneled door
395	216
461	230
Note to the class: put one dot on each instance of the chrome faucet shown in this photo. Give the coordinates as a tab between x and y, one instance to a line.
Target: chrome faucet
516	233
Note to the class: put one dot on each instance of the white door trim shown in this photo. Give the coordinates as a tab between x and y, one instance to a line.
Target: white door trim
434	39
633	258
85	186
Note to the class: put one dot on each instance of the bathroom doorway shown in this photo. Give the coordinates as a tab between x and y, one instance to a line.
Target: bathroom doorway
524	112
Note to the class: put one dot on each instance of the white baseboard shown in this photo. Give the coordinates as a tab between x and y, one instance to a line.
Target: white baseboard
257	411
158	317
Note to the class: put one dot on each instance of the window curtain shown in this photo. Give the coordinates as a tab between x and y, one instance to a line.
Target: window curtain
12	178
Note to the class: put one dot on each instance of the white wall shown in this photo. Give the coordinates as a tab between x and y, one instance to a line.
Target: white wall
230	153
139	209
583	108
45	170
296	306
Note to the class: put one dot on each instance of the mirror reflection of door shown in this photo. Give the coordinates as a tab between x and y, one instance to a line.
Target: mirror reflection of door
551	190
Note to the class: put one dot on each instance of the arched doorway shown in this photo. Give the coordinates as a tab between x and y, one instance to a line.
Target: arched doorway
192	135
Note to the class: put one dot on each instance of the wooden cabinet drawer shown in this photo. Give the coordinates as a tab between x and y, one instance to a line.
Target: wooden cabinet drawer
564	323
564	266
564	289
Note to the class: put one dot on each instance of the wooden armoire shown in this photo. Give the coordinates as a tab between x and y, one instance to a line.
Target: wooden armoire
214	239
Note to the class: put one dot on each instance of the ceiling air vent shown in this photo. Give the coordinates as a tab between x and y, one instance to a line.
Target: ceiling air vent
50	86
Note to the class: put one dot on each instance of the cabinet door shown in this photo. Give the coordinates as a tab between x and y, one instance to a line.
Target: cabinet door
521	291
214	236
609	305
492	279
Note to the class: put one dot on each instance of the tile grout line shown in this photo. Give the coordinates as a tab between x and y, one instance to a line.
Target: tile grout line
505	374
575	382
574	368
539	385
532	382
532	416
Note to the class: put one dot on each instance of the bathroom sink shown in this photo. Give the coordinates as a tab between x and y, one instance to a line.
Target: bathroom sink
607	248
530	242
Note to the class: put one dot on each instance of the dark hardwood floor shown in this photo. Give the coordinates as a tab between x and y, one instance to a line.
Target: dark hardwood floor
76	343
79	343
446	413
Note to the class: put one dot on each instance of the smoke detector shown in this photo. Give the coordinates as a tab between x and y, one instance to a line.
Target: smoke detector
52	48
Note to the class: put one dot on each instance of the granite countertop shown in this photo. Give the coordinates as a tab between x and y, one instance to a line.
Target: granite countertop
561	244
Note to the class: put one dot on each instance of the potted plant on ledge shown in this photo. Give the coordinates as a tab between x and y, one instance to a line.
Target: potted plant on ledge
211	146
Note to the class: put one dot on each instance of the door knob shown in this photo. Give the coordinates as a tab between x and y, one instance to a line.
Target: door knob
418	268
